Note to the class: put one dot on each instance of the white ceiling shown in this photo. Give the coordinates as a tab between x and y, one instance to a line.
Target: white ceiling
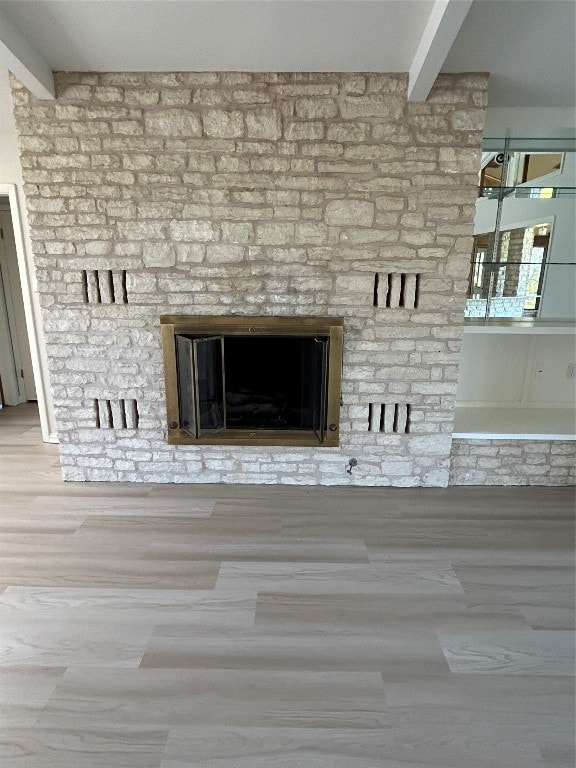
266	35
527	45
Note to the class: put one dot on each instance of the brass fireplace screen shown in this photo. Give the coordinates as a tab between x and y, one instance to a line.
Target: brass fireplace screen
252	380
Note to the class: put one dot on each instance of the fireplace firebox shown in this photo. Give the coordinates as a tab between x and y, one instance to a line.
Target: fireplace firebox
252	380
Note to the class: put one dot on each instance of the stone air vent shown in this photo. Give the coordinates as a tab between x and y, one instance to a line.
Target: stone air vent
396	290
116	414
390	418
104	286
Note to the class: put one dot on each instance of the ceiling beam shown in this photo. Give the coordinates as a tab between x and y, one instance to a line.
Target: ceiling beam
445	20
23	60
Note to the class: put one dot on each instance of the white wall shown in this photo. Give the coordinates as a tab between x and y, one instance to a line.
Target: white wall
11	184
525	122
516	369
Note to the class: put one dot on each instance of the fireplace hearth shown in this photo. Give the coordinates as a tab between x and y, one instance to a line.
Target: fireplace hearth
253	380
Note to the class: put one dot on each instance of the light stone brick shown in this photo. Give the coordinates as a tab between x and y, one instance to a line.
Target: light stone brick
75	92
35	144
232	164
247	96
121	177
306	89
127	127
313	109
144	97
354	212
274	233
202	163
192	231
302	165
63	161
139	230
224	253
286	212
348	132
237	232
310	233
159	254
138	162
387	83
264	123
172	97
384	106
362	284
287	255
222	124
108	94
98	248
237	78
459	160
467	119
379	152
298	131
365	236
344	167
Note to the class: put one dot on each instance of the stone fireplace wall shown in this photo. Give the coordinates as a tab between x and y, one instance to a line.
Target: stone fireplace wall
252	194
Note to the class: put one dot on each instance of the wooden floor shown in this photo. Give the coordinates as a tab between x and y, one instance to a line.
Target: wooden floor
275	627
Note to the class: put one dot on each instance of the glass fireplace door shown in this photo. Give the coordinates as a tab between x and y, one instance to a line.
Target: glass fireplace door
316	382
200	366
321	415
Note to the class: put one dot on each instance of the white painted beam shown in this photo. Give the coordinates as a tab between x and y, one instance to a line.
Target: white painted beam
445	20
23	60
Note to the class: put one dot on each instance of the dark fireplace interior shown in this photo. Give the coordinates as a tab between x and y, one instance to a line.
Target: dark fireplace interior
273	383
252	383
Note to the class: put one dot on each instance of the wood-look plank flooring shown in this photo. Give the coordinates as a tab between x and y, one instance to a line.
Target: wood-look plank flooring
150	626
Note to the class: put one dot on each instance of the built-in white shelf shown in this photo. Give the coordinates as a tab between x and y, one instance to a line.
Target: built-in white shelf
489	423
530	327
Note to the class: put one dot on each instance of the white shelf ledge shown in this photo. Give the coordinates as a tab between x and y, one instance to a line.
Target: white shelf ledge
531	327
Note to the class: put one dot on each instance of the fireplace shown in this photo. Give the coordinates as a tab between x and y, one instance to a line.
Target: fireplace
252	380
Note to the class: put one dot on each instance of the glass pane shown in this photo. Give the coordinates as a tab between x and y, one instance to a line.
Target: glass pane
315	368
491	174
209	366
531	192
184	362
272	382
510	286
322	400
534	165
262	382
513	170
